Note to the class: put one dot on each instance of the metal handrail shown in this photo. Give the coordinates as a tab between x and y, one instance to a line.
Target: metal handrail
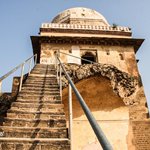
98	131
22	71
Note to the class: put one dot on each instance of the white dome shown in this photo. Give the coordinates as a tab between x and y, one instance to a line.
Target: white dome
81	15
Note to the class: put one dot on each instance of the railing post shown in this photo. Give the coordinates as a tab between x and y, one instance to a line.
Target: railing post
57	71
35	59
21	78
60	82
55	60
30	64
70	116
0	88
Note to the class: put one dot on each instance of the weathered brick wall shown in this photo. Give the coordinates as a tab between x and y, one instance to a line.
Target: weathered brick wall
141	133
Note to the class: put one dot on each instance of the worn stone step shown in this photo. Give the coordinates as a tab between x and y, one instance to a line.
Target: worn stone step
44	67
52	72
42	75
42	71
34	144
40	86
41	105
46	109
33	132
34	116
51	123
40	89
42	79
34	92
39	97
42	82
46	113
35	101
45	70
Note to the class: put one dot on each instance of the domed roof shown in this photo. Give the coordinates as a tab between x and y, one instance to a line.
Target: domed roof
81	15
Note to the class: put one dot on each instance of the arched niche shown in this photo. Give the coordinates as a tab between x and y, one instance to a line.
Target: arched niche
89	56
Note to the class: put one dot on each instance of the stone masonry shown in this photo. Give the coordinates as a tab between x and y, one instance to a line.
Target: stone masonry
36	120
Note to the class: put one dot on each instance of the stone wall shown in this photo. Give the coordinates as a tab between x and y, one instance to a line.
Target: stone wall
114	97
141	134
108	109
5	101
124	55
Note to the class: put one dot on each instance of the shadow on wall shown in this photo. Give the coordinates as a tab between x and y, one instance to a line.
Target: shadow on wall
97	93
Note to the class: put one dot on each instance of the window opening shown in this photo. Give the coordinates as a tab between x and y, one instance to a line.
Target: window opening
89	56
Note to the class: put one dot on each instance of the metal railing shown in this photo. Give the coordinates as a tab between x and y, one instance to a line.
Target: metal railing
96	128
30	60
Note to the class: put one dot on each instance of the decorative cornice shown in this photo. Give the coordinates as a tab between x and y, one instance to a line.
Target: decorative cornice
78	28
91	41
37	40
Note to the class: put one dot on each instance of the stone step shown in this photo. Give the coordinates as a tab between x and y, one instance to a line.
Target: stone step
44	67
51	123
41	78
32	94
51	82
43	71
34	116
37	106
41	109
40	86
49	72
42	81
41	105
51	77
39	97
42	75
31	77
34	144
32	113
33	132
35	101
40	92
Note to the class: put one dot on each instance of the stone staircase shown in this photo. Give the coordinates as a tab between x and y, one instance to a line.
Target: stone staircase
36	120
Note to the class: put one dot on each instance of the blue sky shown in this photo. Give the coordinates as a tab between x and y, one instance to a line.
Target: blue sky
21	19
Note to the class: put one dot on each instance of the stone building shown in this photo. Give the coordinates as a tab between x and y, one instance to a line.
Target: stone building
111	87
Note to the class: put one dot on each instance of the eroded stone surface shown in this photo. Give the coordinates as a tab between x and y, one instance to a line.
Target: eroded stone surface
123	84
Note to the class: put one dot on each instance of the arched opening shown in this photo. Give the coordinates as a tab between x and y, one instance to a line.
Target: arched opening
108	109
89	56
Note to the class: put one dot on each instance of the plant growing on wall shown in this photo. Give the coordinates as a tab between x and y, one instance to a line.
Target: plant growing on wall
114	25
